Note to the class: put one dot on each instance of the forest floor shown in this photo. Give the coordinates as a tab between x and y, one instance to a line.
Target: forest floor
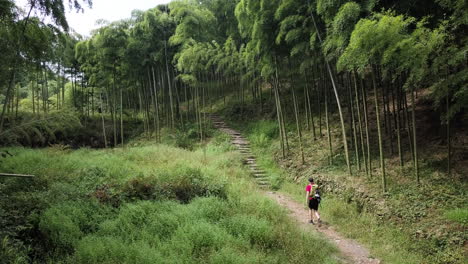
352	250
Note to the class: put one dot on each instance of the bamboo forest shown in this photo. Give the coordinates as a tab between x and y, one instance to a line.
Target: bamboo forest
234	131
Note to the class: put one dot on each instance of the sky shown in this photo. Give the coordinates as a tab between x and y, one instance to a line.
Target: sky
110	10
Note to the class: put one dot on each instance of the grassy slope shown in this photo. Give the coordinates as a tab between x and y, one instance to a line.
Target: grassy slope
410	224
144	204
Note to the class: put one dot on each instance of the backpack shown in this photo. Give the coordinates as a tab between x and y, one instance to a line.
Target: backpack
317	195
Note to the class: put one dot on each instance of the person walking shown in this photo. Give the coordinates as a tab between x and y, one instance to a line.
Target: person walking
312	200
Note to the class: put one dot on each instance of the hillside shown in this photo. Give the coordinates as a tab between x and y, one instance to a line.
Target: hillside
428	219
109	152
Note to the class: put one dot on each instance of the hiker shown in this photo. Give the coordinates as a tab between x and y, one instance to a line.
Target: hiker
312	200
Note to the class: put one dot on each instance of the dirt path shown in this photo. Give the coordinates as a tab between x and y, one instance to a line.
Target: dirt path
354	252
349	248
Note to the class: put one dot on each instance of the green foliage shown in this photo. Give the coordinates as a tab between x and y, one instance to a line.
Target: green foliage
40	130
459	215
110	249
10	253
66	223
341	27
327	9
257	231
370	40
143	204
260	140
193	22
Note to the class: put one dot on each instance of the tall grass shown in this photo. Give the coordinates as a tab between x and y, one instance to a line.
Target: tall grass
151	203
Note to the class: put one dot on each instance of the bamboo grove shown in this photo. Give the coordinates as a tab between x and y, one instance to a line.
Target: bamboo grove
363	61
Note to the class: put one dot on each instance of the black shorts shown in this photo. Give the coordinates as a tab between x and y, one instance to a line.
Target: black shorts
313	204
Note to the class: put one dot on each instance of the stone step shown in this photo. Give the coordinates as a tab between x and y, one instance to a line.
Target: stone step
240	140
263	181
263	185
256	171
239	144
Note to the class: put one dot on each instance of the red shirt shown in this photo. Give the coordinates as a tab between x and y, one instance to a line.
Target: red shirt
309	189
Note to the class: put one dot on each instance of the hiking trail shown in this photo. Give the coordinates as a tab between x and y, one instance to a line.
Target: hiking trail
350	249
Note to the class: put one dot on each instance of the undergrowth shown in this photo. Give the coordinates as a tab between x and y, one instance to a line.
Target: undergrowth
409	224
65	127
148	203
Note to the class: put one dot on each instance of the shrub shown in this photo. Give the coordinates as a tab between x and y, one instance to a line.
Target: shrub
109	249
140	188
184	183
10	253
276	181
108	194
260	140
268	129
256	231
197	240
210	208
234	256
66	223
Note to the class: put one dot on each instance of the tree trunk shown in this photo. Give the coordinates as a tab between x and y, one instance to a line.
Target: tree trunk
353	122
171	103
14	68
358	108
103	124
449	148
340	112
379	132
33	97
309	108
397	109
156	106
366	122
121	119
296	114
415	145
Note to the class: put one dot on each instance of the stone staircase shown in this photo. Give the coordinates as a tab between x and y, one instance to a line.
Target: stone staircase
242	144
